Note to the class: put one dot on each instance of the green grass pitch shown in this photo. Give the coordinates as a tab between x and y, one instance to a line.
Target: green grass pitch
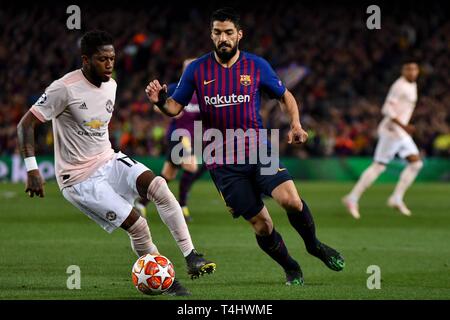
40	238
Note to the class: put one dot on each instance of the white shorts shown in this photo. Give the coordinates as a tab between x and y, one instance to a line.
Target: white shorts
388	147
108	195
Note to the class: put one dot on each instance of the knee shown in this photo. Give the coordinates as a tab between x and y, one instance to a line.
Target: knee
379	168
158	190
143	182
416	165
131	220
169	176
262	227
190	167
291	202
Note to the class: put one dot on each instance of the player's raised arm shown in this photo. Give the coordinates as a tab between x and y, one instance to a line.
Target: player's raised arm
157	94
173	105
289	105
25	133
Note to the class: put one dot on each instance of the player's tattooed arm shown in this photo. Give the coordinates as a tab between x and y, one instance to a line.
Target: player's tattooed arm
289	105
25	134
157	94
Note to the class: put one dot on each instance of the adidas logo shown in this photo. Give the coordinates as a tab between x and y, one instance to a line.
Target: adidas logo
83	106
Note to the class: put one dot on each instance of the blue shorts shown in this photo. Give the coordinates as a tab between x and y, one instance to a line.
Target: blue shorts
242	187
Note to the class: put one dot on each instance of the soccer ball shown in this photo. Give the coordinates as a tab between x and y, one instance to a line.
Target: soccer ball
153	274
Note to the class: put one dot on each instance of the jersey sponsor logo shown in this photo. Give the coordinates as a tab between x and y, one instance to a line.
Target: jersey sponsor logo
91	134
281	169
94	124
246	80
42	99
109	106
83	106
224	101
205	82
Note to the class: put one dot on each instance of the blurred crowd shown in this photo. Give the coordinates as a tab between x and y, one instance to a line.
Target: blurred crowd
350	68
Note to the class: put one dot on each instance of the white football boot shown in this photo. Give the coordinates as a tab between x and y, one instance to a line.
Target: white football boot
352	206
398	204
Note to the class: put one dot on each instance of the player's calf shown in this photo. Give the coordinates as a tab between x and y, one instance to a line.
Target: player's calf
272	243
274	246
141	239
170	212
407	177
302	220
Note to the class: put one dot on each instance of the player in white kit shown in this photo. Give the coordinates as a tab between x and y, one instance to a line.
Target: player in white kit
394	138
100	182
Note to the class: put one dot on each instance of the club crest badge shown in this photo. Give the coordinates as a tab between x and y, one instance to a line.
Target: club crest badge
246	80
109	106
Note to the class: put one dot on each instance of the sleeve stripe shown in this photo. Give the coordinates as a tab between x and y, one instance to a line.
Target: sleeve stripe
37	114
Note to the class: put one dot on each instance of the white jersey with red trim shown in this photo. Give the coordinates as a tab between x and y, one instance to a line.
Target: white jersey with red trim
400	104
80	113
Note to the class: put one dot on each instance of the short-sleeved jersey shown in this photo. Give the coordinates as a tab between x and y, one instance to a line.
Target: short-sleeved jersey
80	113
191	113
229	98
400	103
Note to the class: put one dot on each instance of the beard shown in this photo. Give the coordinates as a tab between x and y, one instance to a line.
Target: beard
225	56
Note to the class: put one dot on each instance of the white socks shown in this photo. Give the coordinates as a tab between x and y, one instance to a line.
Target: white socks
171	213
406	178
141	239
367	178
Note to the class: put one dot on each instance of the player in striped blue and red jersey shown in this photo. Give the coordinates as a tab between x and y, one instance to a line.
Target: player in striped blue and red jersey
228	83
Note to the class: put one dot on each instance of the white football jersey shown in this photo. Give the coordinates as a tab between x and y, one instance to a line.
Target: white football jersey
80	114
400	103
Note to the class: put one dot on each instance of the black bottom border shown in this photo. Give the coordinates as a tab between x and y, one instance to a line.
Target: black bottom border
227	309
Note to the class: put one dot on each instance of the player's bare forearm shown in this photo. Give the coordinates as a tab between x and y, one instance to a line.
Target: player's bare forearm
290	106
172	108
25	134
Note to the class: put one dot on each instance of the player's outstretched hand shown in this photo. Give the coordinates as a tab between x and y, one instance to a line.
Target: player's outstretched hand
297	135
153	89
35	184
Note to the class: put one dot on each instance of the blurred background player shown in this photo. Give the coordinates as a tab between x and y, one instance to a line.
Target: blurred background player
395	138
234	80
98	181
191	170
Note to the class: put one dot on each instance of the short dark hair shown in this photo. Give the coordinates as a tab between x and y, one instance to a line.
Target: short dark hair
226	14
410	59
93	39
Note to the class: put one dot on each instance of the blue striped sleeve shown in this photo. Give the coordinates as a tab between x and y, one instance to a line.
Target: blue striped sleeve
186	86
171	89
270	81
